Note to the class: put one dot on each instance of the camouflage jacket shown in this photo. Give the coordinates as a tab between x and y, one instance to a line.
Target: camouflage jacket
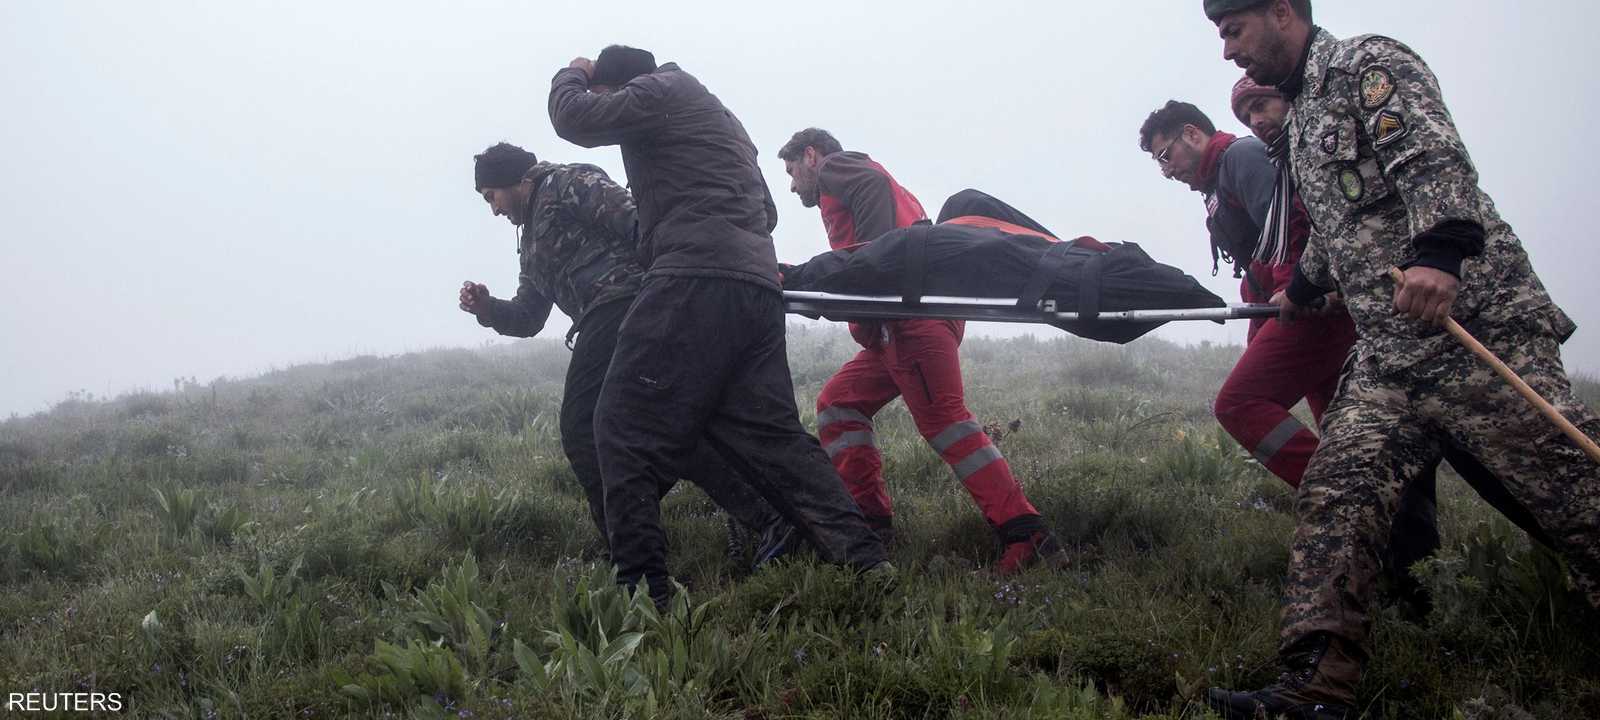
1377	161
578	248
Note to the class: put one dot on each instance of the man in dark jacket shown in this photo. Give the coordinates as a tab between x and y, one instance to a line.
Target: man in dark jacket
702	350
917	360
577	247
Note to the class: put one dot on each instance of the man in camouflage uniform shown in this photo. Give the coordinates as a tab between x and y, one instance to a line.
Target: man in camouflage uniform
1387	182
578	250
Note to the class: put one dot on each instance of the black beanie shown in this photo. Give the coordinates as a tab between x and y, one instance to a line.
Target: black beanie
619	63
502	165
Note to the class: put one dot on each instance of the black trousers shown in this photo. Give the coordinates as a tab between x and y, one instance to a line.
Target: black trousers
697	358
586	373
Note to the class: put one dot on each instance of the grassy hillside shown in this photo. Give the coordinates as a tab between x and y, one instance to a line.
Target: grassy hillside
401	537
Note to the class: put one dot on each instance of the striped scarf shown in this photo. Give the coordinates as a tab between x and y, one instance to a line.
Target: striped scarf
1273	246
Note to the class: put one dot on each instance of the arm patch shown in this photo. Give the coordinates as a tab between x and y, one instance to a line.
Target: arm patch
1377	86
1387	127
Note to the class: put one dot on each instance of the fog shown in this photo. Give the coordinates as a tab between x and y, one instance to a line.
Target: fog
218	189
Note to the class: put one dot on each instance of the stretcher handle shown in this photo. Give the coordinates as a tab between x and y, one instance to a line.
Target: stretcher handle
1539	403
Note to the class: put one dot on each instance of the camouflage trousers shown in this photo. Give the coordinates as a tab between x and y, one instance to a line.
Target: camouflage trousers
1382	430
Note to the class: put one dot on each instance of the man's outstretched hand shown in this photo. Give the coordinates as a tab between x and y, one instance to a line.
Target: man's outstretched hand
474	298
583	64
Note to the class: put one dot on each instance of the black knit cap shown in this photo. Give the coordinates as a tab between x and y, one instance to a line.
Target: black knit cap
502	165
1219	9
619	63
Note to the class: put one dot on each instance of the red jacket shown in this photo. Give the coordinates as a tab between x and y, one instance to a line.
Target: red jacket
860	201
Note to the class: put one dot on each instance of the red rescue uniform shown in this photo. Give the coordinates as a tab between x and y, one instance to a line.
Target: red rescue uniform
1281	363
917	360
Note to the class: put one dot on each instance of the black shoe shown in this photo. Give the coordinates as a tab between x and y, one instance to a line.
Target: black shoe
777	540
1318	683
1270	704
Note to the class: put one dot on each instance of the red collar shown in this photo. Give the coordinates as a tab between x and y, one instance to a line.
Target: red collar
1212	161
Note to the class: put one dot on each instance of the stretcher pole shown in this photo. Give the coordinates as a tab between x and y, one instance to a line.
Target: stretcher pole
1506	373
872	307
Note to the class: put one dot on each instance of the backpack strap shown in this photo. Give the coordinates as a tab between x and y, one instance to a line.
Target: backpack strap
1089	289
1049	265
914	277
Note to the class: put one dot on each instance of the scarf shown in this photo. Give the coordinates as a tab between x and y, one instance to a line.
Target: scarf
1273	246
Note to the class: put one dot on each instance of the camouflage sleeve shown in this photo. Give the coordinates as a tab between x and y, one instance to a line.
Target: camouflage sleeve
1402	111
525	314
593	119
521	316
597	202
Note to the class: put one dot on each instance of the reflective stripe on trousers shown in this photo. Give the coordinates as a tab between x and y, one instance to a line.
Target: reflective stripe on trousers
972	462
1274	441
831	416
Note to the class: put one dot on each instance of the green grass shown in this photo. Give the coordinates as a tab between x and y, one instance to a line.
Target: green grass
401	537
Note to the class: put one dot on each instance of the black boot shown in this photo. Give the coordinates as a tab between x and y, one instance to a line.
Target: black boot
1318	683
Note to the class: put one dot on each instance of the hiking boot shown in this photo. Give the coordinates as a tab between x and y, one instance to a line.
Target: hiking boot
1041	546
777	540
1318	683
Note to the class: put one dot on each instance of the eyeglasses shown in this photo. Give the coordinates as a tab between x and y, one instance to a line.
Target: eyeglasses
1165	156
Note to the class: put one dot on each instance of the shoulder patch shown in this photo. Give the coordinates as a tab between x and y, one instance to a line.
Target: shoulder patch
1388	127
1377	86
1330	141
1351	185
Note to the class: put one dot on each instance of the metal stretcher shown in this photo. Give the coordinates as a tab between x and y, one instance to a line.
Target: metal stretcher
870	307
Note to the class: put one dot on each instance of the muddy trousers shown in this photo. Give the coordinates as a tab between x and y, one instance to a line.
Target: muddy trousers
1383	430
591	357
1286	362
703	358
918	361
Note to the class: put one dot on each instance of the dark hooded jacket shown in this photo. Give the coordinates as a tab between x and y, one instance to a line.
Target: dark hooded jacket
704	208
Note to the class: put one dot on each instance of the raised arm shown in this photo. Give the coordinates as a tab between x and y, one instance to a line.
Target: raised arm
593	119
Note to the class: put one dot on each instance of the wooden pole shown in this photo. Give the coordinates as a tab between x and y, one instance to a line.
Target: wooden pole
1539	403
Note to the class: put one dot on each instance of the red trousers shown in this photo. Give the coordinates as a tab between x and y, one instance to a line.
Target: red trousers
917	360
1282	364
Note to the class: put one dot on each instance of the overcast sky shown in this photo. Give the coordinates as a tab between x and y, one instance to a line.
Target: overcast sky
222	188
